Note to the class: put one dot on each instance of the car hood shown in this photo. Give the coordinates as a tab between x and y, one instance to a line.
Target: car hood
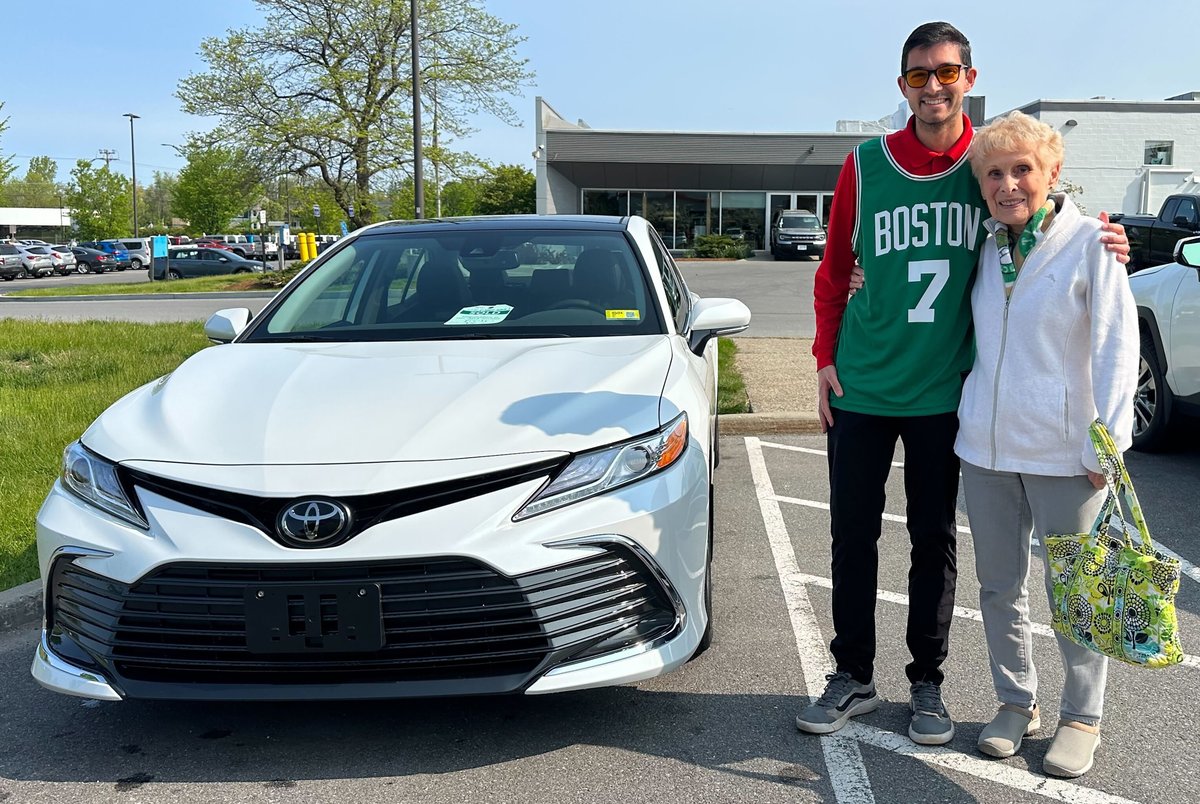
293	404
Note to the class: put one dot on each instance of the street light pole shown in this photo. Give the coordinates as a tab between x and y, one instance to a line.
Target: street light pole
133	162
418	177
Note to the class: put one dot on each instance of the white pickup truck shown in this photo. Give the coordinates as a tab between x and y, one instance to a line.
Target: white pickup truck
241	245
1168	304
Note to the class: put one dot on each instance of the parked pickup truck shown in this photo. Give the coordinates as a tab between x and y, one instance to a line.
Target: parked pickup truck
1152	240
241	245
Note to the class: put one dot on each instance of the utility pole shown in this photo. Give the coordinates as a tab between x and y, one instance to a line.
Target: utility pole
108	155
418	174
133	162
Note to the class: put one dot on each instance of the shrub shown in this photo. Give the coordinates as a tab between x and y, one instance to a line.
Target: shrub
720	247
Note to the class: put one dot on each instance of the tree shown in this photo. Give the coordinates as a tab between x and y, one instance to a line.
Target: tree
510	189
325	87
157	199
7	168
39	186
100	201
216	185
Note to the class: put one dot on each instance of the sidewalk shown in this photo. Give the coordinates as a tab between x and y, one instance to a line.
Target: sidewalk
781	380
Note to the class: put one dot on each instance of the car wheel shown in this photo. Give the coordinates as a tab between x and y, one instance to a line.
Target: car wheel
1152	401
173	274
81	268
137	265
10	277
242	271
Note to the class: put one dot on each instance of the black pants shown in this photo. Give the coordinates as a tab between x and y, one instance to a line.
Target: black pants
861	448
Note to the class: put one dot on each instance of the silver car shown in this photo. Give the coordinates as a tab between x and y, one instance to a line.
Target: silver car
140	252
64	260
36	260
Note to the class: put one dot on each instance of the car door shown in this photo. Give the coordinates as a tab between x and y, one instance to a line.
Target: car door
184	261
212	262
1183	356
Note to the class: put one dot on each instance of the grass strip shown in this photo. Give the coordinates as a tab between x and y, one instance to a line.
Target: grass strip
731	385
55	378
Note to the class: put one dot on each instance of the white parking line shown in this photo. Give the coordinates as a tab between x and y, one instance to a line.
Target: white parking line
843	758
810	450
1186	567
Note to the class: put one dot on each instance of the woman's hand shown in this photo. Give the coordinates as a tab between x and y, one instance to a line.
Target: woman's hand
1097	479
1114	240
857	278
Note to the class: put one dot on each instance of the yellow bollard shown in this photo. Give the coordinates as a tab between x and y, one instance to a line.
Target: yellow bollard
312	245
302	242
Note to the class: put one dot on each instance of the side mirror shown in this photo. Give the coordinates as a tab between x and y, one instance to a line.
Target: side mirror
1187	252
713	317
1183	222
225	325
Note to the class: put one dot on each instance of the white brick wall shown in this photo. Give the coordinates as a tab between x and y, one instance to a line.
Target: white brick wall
1104	153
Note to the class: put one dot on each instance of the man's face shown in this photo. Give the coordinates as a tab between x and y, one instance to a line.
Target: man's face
936	103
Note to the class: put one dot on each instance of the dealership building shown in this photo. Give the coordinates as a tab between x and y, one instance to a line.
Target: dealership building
1120	156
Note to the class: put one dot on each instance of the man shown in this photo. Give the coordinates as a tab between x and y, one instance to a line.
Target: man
890	362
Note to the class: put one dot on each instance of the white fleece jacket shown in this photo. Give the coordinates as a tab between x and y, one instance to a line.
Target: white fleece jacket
1061	353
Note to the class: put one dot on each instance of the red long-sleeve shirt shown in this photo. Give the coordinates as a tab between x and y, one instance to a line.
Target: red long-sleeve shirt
832	283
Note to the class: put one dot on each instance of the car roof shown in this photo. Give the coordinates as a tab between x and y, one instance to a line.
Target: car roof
598	223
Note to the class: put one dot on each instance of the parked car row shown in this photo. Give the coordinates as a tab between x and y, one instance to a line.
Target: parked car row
185	262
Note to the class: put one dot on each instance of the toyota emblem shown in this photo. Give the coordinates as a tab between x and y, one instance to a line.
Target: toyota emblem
313	523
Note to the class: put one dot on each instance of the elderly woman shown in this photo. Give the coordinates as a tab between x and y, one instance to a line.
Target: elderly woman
1056	347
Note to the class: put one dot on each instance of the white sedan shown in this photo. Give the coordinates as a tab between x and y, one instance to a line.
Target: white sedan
451	457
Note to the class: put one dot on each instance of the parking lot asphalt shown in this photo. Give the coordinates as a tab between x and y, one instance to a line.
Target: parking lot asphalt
720	729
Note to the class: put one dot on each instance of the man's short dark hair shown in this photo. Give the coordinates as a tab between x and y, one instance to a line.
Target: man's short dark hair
935	33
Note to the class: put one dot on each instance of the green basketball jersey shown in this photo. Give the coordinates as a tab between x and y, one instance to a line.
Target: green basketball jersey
906	338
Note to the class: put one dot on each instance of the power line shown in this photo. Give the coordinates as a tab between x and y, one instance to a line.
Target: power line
108	155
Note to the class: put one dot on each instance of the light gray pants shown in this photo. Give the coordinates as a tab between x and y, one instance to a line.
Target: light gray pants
1006	509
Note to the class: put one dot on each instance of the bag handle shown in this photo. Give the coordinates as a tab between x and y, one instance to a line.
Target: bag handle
1116	477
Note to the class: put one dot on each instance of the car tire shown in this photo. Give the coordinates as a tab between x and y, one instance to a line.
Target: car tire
81	268
242	271
173	274
136	264
10	277
1153	402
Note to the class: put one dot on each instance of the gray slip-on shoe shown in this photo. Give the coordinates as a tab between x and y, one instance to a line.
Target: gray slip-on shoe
1073	750
1002	737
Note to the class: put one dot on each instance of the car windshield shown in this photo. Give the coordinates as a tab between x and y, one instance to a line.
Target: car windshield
37	250
799	222
464	285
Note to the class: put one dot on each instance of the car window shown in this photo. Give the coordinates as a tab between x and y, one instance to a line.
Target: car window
799	222
1168	211
37	250
673	286
508	283
7	249
1187	208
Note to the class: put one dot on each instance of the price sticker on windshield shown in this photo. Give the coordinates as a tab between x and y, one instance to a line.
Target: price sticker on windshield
623	315
481	314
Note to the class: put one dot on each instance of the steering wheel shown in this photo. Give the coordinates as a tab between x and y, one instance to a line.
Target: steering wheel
577	304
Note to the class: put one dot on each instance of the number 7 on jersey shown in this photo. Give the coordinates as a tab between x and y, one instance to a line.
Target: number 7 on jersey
940	271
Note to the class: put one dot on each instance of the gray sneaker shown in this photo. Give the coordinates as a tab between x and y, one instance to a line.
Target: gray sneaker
843	699
930	724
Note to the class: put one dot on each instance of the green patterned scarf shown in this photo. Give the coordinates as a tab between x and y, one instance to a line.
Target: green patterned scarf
1029	238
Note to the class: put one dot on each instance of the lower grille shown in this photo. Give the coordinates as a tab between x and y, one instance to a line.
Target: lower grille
453	621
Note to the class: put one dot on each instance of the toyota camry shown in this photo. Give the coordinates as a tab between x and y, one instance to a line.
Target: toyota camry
469	456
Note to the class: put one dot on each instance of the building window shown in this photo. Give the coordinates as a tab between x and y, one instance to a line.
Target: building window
605	202
1158	152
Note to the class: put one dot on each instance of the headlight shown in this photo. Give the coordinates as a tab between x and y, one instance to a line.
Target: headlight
95	481
592	473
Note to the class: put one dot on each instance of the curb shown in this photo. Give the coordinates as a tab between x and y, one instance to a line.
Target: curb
21	606
783	423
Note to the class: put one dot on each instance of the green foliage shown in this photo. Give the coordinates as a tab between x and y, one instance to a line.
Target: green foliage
7	168
216	185
720	247
156	200
37	189
100	202
1074	190
507	190
324	88
55	378
731	386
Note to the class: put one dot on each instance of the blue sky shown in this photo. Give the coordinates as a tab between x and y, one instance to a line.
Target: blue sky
682	65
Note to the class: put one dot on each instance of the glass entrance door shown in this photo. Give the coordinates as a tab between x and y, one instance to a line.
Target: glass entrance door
817	203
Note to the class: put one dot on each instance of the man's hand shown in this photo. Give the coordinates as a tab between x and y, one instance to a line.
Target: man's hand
1115	240
1097	479
827	380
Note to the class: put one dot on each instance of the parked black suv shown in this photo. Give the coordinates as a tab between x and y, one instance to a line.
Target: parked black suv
797	233
10	262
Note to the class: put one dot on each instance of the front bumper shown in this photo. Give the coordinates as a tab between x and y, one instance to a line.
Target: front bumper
602	592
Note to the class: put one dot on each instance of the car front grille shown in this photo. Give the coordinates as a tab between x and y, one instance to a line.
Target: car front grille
449	625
